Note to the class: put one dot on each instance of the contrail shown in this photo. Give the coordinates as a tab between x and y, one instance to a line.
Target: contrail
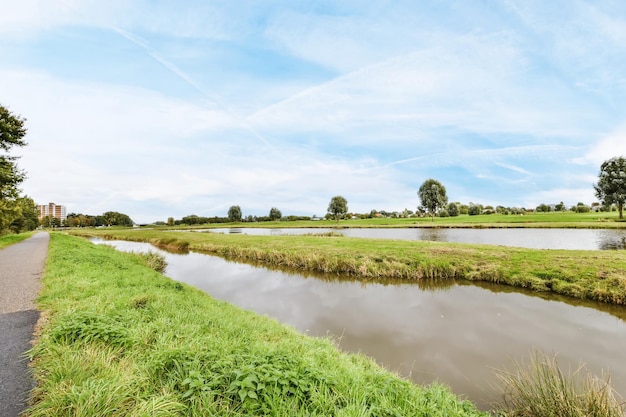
182	75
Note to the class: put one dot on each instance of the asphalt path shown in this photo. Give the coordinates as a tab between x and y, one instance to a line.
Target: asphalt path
21	267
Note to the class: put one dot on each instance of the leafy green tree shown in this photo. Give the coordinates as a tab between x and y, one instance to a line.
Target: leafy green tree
337	207
433	196
27	216
611	186
113	218
234	214
453	209
12	132
275	214
474	209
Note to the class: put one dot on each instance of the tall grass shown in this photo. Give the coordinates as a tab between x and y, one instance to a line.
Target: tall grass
543	389
120	339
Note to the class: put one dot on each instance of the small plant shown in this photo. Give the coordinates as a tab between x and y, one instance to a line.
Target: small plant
543	390
154	260
89	327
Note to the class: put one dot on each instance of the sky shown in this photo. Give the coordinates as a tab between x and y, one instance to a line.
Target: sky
162	109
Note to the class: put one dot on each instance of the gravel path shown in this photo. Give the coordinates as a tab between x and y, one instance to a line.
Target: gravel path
21	267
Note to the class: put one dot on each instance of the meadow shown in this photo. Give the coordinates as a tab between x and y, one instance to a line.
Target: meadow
567	219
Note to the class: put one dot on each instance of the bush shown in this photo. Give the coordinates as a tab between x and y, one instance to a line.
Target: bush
444	213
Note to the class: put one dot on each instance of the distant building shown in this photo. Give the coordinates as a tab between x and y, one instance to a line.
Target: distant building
53	210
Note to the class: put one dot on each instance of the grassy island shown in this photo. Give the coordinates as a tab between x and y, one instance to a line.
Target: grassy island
119	339
590	275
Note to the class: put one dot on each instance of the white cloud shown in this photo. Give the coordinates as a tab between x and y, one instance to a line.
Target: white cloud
608	147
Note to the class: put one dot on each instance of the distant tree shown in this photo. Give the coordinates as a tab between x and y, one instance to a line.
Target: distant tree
170	221
474	209
26	217
337	207
444	213
113	218
234	214
453	209
611	186
275	214
433	196
543	208
12	132
559	207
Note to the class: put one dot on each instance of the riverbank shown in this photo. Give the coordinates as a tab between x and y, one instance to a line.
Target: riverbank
592	275
119	339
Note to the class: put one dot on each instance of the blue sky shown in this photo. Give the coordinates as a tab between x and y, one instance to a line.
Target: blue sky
162	108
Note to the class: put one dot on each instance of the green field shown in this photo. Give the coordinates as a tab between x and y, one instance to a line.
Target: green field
591	275
118	339
566	219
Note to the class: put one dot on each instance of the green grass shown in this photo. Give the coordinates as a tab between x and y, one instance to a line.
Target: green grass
589	275
543	389
119	339
566	219
8	240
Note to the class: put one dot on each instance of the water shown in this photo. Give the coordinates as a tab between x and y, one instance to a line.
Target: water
582	239
456	335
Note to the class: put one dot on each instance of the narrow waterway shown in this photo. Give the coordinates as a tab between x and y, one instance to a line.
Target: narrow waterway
457	335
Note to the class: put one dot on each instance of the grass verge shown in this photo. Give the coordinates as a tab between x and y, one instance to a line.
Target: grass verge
8	240
119	339
591	275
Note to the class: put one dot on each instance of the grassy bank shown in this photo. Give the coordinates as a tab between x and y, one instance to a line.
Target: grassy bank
8	240
592	275
119	339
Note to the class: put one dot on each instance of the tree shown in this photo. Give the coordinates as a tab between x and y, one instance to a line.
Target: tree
27	217
337	207
611	186
453	209
234	214
113	218
433	196
275	214
12	132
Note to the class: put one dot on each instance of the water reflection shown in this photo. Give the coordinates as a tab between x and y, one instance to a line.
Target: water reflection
574	239
456	336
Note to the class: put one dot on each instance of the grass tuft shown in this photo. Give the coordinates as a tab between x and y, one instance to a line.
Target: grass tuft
542	389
